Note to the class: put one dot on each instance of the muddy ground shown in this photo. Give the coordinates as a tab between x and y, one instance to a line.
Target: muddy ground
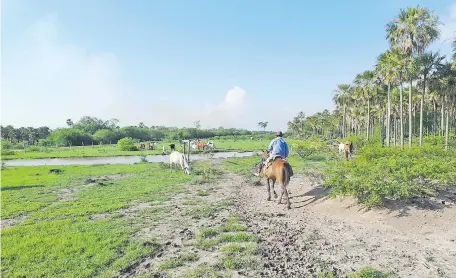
317	235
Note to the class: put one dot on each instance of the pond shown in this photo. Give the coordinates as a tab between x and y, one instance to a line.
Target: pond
116	159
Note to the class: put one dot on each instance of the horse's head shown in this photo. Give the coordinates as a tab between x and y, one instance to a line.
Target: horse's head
265	153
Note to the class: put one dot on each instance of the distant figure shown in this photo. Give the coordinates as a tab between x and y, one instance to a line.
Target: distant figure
341	147
348	149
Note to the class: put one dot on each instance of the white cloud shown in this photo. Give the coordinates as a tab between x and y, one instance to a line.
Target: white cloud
230	112
449	24
45	81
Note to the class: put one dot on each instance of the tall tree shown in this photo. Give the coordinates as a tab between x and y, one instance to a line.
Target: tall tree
341	98
263	125
366	83
427	64
69	123
412	31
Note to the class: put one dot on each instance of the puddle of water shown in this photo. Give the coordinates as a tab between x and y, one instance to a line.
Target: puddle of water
116	159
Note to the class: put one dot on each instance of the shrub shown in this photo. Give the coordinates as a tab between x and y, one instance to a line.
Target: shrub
127	144
6	145
378	174
33	149
8	152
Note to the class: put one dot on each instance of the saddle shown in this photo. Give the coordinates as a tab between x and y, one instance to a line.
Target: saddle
268	162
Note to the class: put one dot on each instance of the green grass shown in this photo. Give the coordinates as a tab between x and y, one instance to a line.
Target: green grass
204	271
369	272
58	239
178	261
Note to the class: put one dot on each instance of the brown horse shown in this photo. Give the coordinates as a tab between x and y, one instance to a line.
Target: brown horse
278	170
348	149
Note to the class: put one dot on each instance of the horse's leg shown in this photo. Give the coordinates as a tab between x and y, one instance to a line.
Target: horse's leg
269	190
275	194
281	195
285	191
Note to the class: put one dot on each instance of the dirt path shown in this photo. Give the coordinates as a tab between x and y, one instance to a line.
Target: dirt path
337	235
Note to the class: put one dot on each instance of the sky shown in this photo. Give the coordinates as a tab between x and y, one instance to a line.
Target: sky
225	63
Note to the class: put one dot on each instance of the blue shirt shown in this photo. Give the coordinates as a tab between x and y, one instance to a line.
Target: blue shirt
278	147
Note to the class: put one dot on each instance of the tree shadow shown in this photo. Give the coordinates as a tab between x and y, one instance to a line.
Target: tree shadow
317	193
8	188
445	198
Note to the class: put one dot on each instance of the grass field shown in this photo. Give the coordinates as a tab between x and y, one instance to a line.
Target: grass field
88	221
59	238
113	150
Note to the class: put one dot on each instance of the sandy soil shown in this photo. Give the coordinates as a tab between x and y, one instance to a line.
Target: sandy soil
338	235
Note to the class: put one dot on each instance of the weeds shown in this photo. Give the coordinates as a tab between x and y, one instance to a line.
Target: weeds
369	272
178	261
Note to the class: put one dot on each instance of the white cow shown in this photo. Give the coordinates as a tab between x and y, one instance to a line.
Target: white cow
341	147
178	158
211	145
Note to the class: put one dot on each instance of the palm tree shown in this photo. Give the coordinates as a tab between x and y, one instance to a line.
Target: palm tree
366	82
341	98
399	61
454	54
427	64
412	31
385	67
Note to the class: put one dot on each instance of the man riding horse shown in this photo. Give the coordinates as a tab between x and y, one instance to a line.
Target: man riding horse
278	149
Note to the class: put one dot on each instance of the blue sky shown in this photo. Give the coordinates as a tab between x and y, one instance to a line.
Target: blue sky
226	63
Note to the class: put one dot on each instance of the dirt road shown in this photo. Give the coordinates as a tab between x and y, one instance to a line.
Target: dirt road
337	235
317	236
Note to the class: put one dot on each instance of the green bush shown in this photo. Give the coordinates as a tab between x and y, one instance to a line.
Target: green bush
8	152
357	141
6	145
378	174
33	149
126	144
434	140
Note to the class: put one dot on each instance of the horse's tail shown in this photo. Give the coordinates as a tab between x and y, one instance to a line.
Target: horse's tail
285	174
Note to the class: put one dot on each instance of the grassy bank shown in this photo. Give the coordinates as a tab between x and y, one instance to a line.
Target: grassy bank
113	150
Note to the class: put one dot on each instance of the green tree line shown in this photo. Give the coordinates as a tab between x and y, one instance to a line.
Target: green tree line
91	130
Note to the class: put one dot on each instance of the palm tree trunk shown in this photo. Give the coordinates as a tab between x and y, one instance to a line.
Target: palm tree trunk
368	118
434	127
344	123
401	116
410	115
395	132
421	109
388	118
442	119
447	120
